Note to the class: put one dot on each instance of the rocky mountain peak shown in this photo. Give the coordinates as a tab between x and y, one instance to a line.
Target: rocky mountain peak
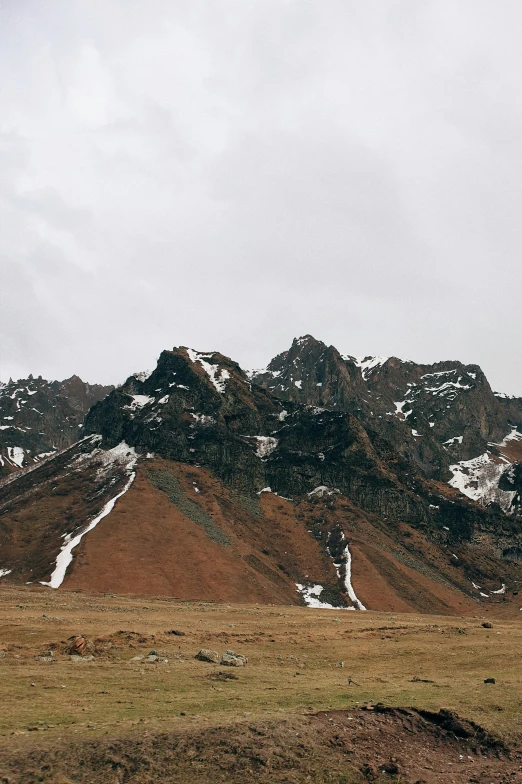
436	416
313	373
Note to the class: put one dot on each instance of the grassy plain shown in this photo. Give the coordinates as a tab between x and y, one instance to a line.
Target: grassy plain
300	661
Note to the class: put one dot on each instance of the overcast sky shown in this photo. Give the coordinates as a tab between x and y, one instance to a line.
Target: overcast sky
229	174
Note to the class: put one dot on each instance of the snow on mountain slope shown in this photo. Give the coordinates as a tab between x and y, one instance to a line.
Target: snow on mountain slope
175	467
443	417
47	508
124	456
366	364
479	479
39	417
218	375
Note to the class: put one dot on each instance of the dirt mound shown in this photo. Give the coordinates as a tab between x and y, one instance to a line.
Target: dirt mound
376	744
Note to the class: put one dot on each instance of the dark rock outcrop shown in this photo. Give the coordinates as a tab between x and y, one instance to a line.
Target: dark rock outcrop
39	417
201	409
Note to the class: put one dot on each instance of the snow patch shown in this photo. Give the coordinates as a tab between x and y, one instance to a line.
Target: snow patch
217	375
203	419
399	405
15	455
348	580
311	593
478	479
367	364
121	455
513	436
5	572
448	389
143	375
500	590
323	490
139	401
43	455
273	492
265	446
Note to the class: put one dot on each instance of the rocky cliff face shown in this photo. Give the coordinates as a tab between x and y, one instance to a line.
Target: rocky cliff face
312	372
438	417
512	408
39	417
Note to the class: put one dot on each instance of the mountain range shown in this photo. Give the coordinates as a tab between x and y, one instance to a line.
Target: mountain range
321	479
39	417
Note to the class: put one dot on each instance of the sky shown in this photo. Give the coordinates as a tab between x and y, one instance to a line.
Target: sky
229	175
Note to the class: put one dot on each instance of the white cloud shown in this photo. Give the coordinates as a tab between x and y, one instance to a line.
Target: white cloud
229	175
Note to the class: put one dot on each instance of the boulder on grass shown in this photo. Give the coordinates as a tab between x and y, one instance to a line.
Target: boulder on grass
206	655
78	645
231	659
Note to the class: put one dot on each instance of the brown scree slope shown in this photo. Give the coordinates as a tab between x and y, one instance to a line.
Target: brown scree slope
147	545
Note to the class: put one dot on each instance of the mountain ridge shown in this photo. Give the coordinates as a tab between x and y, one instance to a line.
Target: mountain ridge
293	482
39	417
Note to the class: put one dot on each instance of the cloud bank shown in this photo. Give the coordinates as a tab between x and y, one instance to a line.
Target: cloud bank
229	175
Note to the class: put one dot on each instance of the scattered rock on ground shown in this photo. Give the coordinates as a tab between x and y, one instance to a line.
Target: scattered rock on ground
78	645
154	657
46	656
223	676
231	659
206	655
487	625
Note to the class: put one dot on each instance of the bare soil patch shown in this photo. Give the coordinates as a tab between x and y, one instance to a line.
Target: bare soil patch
377	745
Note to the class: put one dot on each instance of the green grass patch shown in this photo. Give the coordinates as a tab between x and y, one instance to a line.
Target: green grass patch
165	481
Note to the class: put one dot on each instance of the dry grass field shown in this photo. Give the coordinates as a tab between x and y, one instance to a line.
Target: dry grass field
300	662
